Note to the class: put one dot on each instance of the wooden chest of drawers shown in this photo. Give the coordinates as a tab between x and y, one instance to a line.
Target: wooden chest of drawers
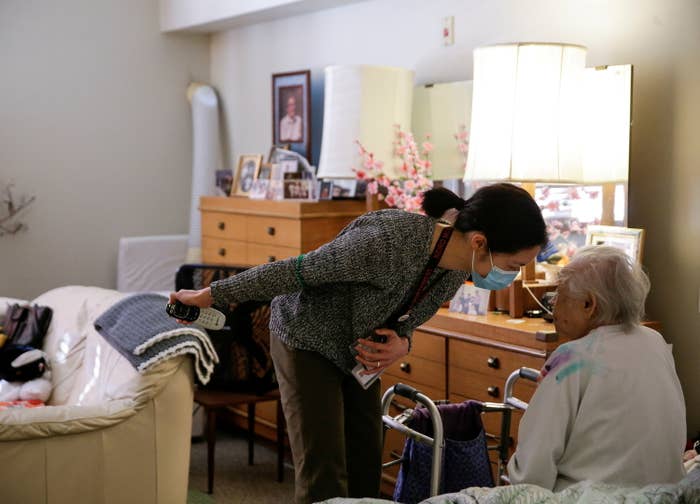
241	231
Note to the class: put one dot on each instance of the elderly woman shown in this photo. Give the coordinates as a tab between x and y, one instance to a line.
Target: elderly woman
609	407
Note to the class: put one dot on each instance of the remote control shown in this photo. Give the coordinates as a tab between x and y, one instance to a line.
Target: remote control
209	318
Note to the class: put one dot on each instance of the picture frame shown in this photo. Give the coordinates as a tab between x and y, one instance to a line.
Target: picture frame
344	188
246	173
224	182
291	111
265	172
325	191
631	240
298	189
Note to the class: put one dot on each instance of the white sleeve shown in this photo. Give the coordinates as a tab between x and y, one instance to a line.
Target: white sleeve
545	429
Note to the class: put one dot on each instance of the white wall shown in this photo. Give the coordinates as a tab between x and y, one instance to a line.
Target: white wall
660	38
95	123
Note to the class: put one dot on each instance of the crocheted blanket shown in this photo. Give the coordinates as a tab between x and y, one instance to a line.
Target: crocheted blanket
139	328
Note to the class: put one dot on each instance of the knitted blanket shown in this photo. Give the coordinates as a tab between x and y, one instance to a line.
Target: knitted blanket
139	328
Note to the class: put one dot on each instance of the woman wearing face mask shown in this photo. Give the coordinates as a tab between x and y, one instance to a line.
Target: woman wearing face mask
386	273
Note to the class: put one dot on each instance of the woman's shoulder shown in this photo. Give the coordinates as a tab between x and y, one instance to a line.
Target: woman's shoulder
395	219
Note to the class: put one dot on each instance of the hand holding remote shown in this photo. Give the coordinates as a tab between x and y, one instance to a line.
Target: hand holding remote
209	318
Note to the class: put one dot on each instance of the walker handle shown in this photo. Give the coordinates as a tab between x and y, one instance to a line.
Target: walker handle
529	374
406	391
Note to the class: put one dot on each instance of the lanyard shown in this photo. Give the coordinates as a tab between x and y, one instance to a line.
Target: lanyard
423	289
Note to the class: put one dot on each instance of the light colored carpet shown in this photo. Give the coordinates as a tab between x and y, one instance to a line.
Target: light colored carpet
235	482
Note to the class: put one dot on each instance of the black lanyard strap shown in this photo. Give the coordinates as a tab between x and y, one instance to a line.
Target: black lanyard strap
423	288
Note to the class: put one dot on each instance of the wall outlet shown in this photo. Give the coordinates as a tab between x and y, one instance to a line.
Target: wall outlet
448	26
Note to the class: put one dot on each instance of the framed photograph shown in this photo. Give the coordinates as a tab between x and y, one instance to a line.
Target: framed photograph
631	240
259	189
344	188
291	111
247	172
224	182
265	172
298	189
325	191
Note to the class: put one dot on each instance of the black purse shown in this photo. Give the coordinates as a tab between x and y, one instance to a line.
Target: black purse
27	324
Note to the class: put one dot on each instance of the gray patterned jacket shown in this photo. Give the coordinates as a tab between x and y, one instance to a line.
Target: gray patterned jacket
326	299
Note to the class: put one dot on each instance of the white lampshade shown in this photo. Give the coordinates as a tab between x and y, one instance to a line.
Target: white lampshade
526	113
441	110
607	114
363	103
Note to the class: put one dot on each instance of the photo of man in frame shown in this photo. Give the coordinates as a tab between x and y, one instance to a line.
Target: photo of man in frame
291	125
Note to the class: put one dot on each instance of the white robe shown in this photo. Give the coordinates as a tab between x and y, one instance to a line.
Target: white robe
610	409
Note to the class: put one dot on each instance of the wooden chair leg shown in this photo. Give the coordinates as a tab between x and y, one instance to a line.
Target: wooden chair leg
280	442
211	443
251	432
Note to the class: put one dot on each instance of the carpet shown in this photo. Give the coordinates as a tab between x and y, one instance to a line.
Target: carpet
235	482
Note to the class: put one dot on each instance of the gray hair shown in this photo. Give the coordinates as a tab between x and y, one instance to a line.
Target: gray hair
619	284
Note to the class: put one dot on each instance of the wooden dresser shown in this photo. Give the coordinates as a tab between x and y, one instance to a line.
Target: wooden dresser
459	357
241	231
245	232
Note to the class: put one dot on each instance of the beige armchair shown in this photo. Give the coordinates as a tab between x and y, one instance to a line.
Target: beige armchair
108	435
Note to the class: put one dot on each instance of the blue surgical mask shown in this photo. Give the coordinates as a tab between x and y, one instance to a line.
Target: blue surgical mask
497	278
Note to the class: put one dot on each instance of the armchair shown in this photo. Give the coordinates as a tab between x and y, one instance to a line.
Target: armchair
108	435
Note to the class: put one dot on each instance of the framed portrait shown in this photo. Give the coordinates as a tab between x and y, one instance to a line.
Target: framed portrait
298	189
246	173
291	111
265	172
224	182
325	191
631	240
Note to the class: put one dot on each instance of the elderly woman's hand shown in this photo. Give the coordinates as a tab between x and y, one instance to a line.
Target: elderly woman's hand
381	355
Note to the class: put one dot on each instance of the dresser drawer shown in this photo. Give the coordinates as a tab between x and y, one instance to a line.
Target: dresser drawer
485	388
489	360
428	346
219	251
274	231
418	372
224	225
261	254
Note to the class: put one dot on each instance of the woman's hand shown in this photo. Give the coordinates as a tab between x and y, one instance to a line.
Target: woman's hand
381	355
201	298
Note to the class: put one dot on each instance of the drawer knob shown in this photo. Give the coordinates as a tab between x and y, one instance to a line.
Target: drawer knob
222	252
222	226
493	362
492	391
271	231
405	367
271	258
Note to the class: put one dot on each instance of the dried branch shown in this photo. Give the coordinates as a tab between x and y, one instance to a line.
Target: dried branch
8	223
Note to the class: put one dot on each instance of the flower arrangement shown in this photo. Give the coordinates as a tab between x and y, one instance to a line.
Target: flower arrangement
406	191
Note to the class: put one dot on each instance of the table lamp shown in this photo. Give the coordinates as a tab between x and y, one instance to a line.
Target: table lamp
365	103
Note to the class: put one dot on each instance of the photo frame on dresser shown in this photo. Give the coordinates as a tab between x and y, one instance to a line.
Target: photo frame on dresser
291	111
631	240
246	173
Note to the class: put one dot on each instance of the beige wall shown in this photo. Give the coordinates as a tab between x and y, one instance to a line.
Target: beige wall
660	38
95	123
